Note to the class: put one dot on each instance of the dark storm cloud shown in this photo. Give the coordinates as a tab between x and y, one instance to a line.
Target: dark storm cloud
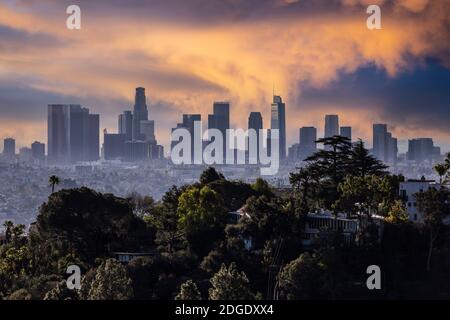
19	40
417	99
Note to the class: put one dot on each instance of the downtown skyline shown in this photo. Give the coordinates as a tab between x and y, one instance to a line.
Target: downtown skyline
397	75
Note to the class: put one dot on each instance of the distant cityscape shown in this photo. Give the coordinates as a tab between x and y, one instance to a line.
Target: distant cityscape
74	137
131	161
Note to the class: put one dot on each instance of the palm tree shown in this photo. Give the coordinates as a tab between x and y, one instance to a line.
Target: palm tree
9	225
441	169
52	181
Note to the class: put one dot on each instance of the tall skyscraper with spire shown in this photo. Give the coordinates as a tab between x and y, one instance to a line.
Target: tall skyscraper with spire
140	113
278	121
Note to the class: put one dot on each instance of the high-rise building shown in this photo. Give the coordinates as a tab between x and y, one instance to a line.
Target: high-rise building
392	150
188	123
148	130
38	151
58	125
421	149
79	124
384	144
114	145
255	122
9	147
84	134
380	141
307	145
73	134
331	125
126	124
346	132
278	121
308	136
93	143
140	113
220	119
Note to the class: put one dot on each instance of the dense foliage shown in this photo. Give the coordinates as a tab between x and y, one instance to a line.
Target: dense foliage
191	250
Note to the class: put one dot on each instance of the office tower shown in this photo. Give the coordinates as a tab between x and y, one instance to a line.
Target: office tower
126	124
84	134
58	133
220	119
308	136
384	145
255	122
392	150
331	125
140	113
79	124
93	143
421	149
136	150
188	124
113	145
278	121
148	130
307	145
9	147
38	151
346	132
380	141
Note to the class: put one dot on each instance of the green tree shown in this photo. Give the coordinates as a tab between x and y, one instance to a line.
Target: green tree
262	187
61	292
230	284
111	282
210	175
202	217
434	205
85	224
52	181
302	278
188	291
9	225
397	214
442	170
363	163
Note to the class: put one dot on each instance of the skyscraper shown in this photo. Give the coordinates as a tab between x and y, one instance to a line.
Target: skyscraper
420	150
384	144
307	145
93	143
140	113
331	125
255	122
38	151
346	132
220	119
84	134
380	141
58	125
126	124
308	136
278	121
9	147
148	130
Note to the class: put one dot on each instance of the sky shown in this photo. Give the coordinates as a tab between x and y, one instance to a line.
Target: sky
318	55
